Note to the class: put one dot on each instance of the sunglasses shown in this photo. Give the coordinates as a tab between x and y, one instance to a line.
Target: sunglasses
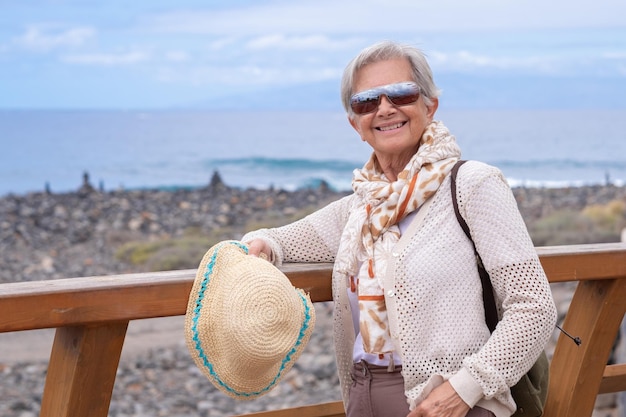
399	94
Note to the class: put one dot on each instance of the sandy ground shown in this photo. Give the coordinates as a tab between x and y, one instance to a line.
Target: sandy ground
35	345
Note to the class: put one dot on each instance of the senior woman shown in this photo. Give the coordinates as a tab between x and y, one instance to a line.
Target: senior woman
409	322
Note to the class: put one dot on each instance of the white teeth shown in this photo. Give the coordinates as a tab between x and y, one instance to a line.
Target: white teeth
385	128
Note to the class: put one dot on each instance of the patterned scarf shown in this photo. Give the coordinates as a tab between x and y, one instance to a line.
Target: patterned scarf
372	229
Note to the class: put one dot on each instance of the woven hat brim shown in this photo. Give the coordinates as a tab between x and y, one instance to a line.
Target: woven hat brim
212	352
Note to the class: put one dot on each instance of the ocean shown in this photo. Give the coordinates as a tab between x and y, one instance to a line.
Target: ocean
290	150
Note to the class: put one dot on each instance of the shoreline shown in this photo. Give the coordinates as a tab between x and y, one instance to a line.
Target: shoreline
513	183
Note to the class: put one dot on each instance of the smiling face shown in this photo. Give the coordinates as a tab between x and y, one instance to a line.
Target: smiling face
392	131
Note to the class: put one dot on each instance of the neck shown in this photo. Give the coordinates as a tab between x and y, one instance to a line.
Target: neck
391	166
391	174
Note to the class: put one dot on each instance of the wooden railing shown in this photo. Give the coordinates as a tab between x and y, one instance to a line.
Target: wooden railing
91	316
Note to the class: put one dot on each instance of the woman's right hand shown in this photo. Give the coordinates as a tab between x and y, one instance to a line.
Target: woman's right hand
260	248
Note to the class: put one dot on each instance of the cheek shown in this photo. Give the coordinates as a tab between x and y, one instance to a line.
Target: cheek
360	124
422	119
355	123
418	128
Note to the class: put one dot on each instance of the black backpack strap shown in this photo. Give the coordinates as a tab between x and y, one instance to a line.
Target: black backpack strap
491	313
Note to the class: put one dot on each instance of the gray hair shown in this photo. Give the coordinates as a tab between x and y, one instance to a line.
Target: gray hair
383	51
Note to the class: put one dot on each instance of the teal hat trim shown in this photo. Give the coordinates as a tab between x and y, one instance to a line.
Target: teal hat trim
198	345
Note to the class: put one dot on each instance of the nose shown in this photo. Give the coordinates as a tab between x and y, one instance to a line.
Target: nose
385	105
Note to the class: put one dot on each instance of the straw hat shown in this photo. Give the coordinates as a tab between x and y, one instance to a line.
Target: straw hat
245	324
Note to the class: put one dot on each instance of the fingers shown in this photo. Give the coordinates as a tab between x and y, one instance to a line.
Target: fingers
258	247
442	401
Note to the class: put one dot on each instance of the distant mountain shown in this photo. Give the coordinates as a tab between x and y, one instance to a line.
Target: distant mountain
313	96
533	92
458	91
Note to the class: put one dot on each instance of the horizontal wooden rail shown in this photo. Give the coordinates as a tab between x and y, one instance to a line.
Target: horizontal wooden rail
583	262
88	311
99	299
332	409
90	300
613	379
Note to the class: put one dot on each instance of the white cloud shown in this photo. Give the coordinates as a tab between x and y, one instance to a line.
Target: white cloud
245	75
619	55
613	63
222	43
389	16
300	43
126	58
176	56
47	37
467	61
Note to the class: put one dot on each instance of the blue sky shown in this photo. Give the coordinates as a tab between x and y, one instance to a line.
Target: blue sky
146	54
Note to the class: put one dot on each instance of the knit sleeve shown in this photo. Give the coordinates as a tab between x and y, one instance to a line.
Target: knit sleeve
522	292
315	238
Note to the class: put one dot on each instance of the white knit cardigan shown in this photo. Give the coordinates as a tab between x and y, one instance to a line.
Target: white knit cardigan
433	291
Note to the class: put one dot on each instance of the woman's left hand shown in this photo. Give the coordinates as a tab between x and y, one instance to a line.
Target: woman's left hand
443	401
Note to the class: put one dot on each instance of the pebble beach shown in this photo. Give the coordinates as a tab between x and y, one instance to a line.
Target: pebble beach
46	236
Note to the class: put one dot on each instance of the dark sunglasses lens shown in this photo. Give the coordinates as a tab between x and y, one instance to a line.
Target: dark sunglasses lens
365	101
364	105
401	100
403	94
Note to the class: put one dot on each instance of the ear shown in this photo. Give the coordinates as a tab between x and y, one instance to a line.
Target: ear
355	124
432	109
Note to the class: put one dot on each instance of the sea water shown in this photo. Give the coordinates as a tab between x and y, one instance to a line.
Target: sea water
284	149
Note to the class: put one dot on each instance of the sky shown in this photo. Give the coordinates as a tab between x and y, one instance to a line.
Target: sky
157	54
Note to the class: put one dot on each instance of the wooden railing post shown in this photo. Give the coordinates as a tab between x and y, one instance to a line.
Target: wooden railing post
595	314
83	365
